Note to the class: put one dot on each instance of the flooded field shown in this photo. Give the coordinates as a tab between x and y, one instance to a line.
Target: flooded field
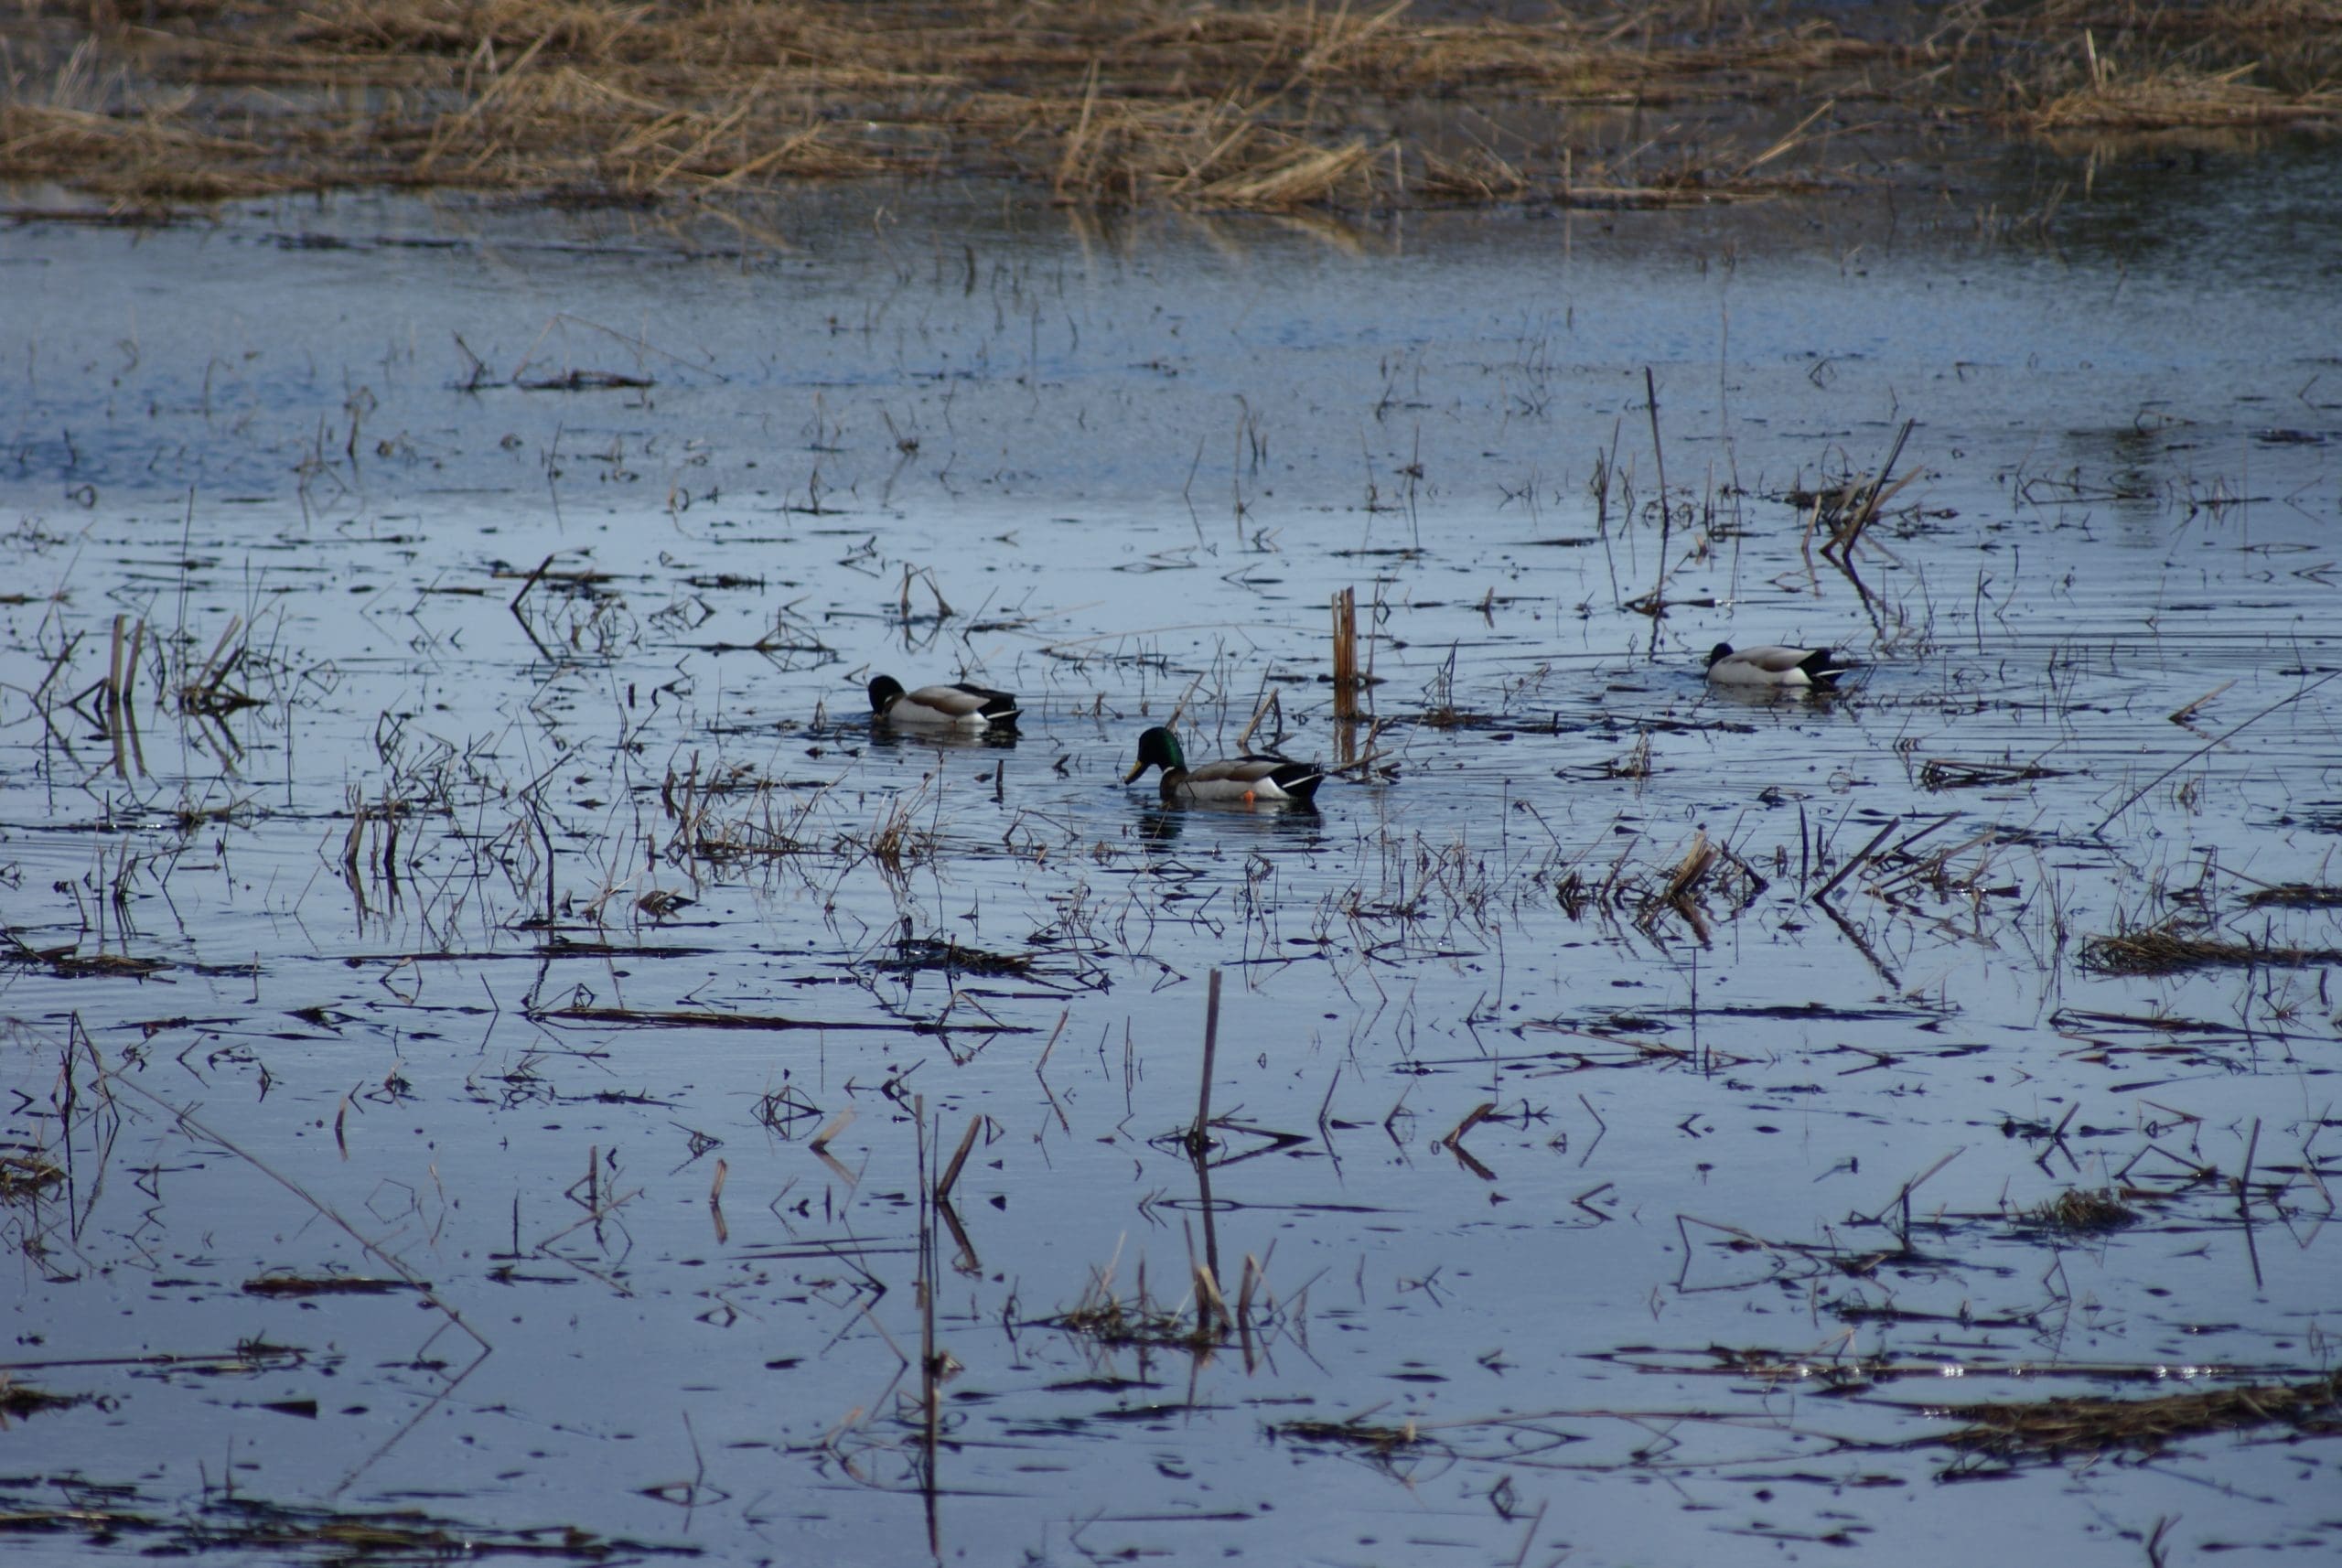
504	1054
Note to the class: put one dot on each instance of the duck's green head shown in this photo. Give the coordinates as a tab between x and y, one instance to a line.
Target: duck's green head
1158	748
884	690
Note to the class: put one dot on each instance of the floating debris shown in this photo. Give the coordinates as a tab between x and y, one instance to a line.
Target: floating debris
2167	949
327	1284
26	1175
2295	895
2081	1211
1939	773
18	1400
2085	1424
1378	1439
226	1521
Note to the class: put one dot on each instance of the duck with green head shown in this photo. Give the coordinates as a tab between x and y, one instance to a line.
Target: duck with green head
1250	779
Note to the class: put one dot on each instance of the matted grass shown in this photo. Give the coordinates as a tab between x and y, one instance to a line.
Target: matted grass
2170	948
2134	68
2089	1425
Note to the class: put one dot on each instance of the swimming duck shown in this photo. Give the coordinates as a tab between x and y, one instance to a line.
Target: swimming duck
1816	667
956	706
1246	779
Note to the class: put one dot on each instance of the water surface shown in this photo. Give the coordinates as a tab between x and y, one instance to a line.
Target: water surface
563	545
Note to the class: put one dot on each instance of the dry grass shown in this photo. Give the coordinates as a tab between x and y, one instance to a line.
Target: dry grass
18	1400
1116	1322
1120	1324
2139	69
1211	104
2295	895
116	1516
1377	1439
2168	948
2081	1211
2175	98
2090	1424
28	1176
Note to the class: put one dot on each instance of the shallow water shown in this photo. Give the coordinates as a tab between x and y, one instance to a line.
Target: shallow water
1670	1290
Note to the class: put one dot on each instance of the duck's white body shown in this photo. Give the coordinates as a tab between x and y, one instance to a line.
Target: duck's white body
955	706
1248	779
1816	667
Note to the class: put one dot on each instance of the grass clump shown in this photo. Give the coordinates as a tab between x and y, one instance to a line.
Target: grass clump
2091	1425
2081	1211
2170	948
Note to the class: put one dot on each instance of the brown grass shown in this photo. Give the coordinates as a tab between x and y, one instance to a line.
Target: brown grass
2090	1424
2295	895
2081	1211
1377	1439
1118	1322
26	1175
2169	949
18	1400
1211	104
2140	68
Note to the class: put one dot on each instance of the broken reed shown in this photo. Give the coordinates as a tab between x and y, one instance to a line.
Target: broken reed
1199	1137
110	703
1346	676
1845	511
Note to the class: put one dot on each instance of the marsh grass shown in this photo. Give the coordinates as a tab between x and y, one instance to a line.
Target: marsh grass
1107	1318
24	1177
1941	773
67	961
1118	1322
954	957
325	1285
2295	895
2081	1211
2090	1424
734	817
18	1400
2215	67
1377	1439
1274	107
2170	948
108	1516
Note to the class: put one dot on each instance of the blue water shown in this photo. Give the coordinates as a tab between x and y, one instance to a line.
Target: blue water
1135	460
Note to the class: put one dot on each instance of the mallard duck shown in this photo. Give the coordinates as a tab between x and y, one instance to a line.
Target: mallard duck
1246	779
956	706
1816	667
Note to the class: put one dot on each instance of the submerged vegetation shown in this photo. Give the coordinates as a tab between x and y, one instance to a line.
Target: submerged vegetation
112	1517
1272	106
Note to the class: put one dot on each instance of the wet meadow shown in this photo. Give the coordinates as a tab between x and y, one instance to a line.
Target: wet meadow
506	1055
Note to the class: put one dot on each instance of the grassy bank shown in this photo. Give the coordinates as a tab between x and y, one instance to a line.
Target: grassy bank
1211	104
